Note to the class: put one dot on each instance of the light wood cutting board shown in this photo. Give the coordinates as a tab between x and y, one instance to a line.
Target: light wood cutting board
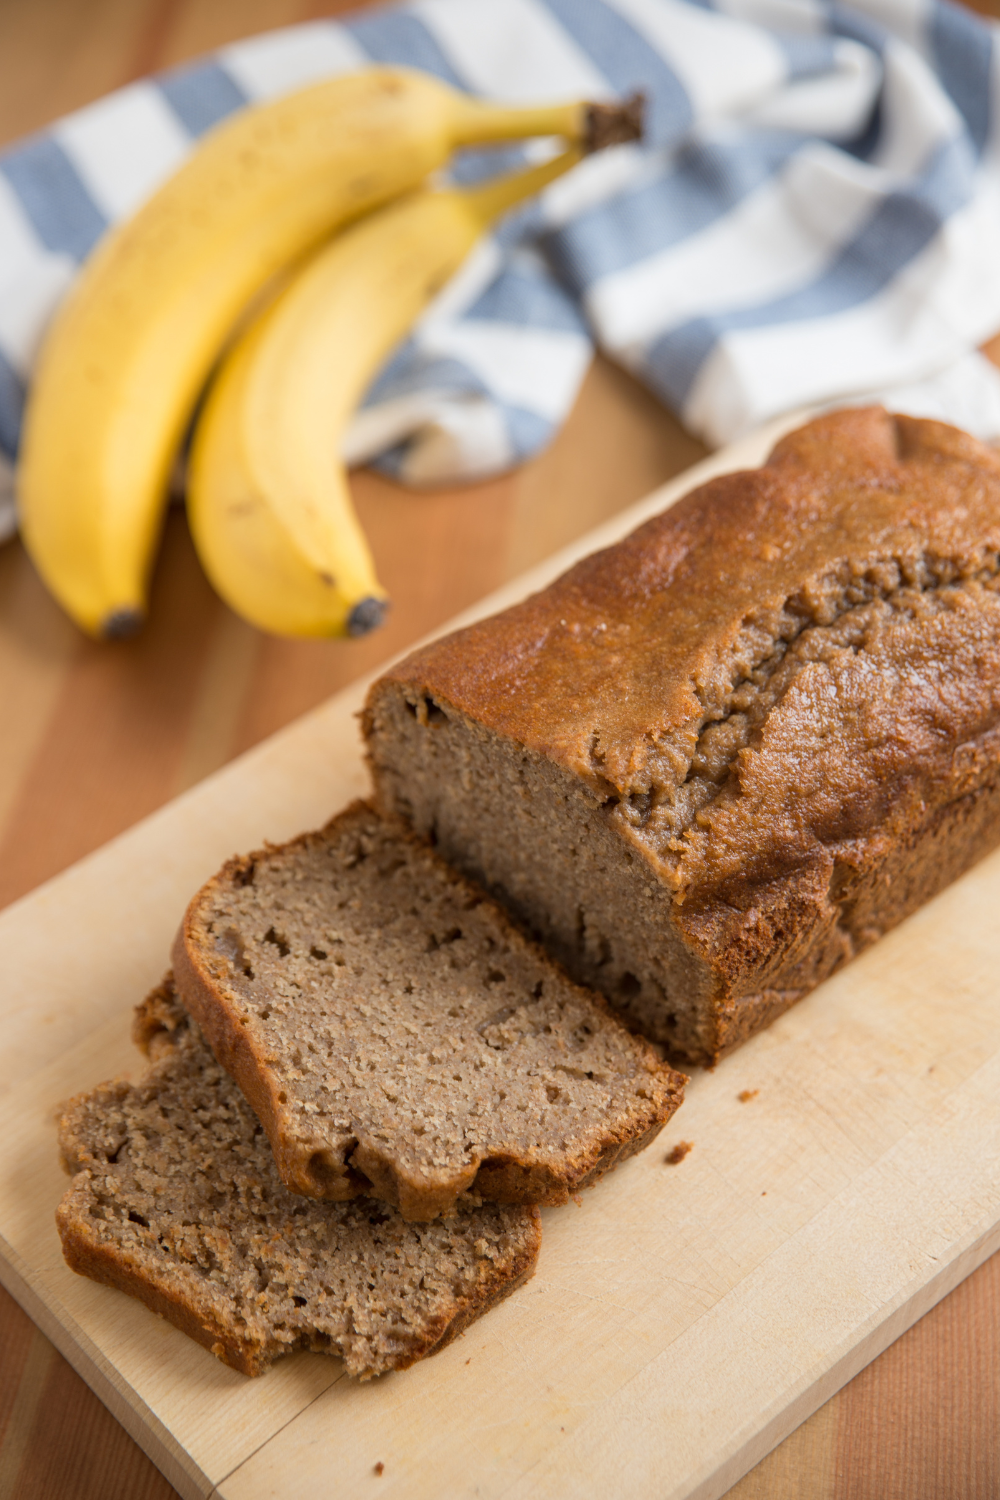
684	1318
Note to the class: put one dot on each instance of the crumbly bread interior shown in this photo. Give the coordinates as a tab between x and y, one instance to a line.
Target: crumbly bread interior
541	842
399	1037
177	1200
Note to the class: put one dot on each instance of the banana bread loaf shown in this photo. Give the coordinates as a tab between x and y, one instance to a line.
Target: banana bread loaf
398	1037
177	1201
711	763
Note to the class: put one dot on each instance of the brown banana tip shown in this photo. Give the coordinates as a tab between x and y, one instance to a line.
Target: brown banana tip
614	124
366	615
121	624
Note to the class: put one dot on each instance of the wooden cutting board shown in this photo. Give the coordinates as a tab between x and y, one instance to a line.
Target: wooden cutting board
844	1175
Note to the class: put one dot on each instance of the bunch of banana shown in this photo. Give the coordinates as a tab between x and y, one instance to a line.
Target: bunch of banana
128	354
268	499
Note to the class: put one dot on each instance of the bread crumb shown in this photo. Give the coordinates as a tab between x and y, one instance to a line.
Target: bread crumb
679	1152
380	1468
745	1095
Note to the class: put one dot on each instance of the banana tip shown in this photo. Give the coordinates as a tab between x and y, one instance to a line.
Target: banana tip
121	624
366	615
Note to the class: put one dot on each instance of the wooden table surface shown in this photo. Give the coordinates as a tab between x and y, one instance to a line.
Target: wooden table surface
93	737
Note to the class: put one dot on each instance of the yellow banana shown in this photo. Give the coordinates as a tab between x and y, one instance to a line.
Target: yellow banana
131	347
268	500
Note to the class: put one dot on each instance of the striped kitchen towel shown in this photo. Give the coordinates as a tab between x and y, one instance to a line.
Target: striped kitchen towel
814	215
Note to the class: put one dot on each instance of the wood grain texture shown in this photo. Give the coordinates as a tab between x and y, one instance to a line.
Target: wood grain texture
101	736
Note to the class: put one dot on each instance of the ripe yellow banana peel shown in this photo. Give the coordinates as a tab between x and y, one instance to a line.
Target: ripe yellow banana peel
129	351
268	499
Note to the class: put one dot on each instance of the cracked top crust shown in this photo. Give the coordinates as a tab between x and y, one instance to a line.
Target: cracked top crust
785	660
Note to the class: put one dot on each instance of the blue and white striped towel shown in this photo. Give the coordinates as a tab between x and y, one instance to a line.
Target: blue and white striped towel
814	216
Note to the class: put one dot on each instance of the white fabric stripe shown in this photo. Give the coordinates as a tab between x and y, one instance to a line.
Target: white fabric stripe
373	429
942	304
780	236
466	438
531	367
966	393
124	146
908	20
279	61
836	106
598	178
28	305
917	113
511	49
723	64
800	17
20	247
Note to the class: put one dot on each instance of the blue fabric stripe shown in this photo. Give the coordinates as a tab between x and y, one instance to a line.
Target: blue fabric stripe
201	96
64	215
807	56
864	144
852	24
410	369
528	300
395	36
899	229
963	53
479	163
390	463
11	408
528	432
628	62
709	180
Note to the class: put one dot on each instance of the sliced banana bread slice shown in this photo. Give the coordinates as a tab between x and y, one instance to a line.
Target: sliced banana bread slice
177	1201
397	1035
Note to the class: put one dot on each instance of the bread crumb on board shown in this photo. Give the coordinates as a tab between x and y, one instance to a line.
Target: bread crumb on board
745	1095
676	1156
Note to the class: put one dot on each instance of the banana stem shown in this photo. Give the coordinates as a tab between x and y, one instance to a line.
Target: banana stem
475	122
489	200
594	126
